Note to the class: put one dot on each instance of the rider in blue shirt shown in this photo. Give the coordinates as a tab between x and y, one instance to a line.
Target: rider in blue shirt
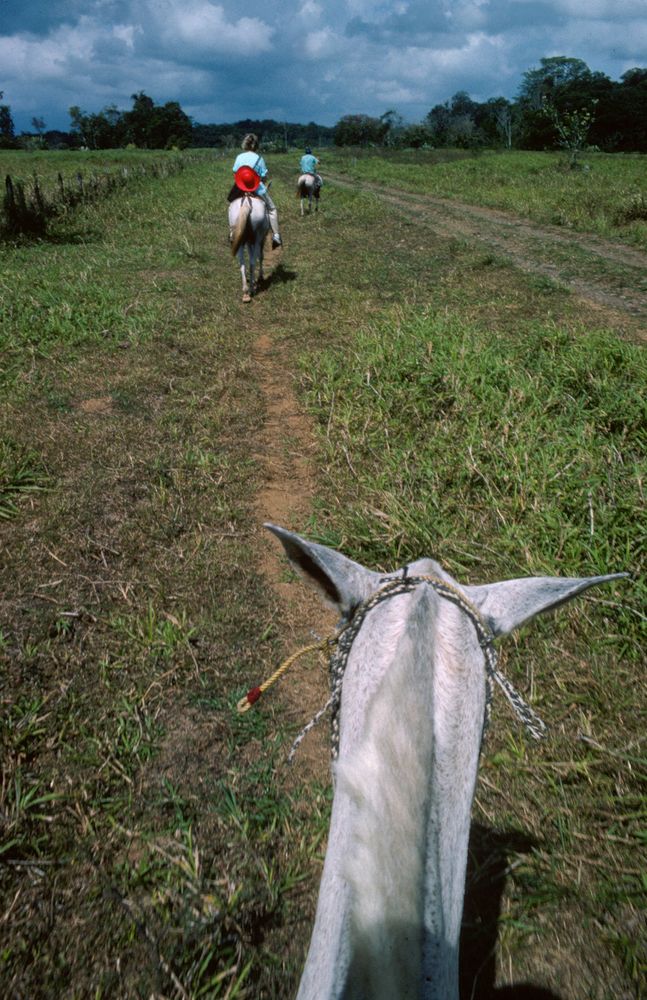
308	165
250	157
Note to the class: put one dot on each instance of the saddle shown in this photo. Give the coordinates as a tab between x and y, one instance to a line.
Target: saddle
236	193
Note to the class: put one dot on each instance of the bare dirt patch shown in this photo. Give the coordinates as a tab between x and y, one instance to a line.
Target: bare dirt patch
102	404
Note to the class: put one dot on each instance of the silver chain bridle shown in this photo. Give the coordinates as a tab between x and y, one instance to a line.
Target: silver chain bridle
348	633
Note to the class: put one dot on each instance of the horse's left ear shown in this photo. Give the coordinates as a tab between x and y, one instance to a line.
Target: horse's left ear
510	603
340	581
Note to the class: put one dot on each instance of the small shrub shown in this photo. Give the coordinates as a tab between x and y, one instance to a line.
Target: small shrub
633	209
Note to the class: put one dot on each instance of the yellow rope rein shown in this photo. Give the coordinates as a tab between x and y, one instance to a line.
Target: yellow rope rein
343	639
255	693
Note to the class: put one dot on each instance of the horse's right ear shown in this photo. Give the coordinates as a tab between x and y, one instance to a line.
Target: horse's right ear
340	582
508	604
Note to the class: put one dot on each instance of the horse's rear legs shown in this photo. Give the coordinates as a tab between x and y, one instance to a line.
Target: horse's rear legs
248	288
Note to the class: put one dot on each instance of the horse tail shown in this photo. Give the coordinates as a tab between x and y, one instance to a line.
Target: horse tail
238	234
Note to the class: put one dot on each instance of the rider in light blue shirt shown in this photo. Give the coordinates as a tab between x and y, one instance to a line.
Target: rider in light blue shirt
257	163
308	165
250	157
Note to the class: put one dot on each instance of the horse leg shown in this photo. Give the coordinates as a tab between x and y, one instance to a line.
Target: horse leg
260	262
302	211
246	294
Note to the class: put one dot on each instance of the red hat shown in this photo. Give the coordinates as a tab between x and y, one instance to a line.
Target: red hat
246	179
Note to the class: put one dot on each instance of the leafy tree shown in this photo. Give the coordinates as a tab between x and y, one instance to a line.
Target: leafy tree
462	132
565	85
572	128
555	72
394	128
622	116
80	125
138	121
438	121
360	130
229	135
147	125
172	127
7	139
152	126
455	122
416	136
496	119
462	105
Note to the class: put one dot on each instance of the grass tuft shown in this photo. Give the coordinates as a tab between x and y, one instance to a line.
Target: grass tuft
21	473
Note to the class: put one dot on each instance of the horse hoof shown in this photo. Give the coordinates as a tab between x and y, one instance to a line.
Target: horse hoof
247	297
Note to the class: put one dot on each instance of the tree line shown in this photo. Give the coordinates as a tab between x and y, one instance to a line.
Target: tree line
146	125
150	126
560	103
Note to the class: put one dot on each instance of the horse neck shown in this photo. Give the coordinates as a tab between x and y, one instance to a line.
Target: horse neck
390	905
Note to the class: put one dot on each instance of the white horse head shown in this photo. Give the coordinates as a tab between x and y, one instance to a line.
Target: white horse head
308	187
413	703
249	224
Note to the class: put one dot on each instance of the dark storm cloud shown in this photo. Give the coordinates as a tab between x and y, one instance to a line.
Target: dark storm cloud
299	60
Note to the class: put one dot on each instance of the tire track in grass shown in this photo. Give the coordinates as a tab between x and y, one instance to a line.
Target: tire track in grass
609	275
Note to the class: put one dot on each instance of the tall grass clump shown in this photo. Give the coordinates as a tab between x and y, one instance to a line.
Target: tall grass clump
30	205
524	454
21	472
504	456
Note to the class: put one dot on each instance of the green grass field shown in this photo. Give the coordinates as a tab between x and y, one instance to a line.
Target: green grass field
608	195
153	841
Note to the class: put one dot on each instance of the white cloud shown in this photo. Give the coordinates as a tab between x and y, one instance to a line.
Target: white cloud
478	49
126	34
322	44
467	15
392	93
28	58
310	11
203	27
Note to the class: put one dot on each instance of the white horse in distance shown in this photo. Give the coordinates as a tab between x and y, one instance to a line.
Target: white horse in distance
412	711
308	189
249	224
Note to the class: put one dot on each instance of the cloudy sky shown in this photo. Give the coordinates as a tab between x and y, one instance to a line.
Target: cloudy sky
308	60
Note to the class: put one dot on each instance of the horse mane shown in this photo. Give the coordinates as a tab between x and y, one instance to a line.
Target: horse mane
385	866
241	223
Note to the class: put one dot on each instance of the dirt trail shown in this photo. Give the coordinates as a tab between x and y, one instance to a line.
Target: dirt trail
607	274
286	451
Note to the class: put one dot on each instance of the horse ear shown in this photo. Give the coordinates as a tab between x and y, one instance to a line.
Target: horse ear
341	582
510	603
